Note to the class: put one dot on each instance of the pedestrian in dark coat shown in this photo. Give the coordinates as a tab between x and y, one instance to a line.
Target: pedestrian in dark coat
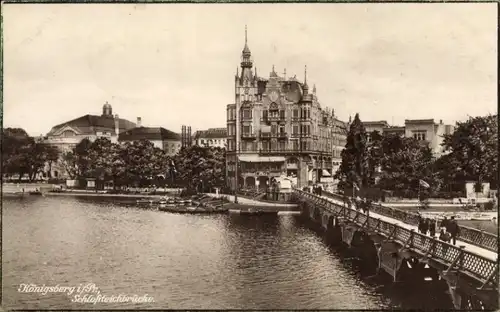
453	229
445	237
444	222
425	226
421	225
432	227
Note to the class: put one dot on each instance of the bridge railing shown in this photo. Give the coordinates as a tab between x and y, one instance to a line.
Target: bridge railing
475	266
467	234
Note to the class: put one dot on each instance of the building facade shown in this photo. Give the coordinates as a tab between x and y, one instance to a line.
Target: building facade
162	138
67	135
277	127
421	129
212	137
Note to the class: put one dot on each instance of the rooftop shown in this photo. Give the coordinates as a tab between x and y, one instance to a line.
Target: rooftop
211	133
148	133
90	124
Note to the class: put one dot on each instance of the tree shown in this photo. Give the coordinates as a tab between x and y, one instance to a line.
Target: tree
52	156
201	167
473	148
354	167
100	156
143	162
15	142
405	162
82	161
70	164
375	156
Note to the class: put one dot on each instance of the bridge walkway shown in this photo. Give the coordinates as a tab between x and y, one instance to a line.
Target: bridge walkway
491	255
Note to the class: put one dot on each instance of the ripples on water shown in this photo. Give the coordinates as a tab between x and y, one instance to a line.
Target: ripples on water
182	261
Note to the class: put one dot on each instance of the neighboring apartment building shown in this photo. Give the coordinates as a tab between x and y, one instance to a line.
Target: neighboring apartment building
280	130
162	138
213	137
428	130
420	129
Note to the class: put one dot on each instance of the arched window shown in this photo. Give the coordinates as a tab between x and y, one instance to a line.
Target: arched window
68	133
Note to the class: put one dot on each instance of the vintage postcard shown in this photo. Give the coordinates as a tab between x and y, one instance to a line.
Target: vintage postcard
250	156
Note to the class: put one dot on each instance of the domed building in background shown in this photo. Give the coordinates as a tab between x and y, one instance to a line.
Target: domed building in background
68	134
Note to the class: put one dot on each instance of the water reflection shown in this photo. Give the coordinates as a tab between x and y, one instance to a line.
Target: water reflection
183	261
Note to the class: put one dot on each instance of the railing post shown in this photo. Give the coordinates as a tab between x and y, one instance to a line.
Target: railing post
393	233
377	226
409	241
356	216
458	259
490	277
431	249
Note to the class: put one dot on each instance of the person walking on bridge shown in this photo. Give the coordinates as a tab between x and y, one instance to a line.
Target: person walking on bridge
445	237
453	229
421	224
432	227
444	222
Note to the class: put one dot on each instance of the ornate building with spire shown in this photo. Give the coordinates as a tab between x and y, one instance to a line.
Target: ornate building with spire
277	128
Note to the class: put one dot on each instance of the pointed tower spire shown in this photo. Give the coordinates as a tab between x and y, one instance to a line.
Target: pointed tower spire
255	75
246	55
306	87
273	73
284	74
314	89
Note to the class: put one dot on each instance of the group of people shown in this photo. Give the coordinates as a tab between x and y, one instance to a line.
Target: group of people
359	203
449	229
317	189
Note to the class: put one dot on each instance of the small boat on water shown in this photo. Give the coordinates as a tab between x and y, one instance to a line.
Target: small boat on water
144	201
252	212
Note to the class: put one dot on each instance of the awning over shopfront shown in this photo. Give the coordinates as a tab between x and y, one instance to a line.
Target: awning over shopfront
255	158
326	173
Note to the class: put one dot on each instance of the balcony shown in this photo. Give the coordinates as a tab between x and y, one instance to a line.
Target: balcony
248	135
265	135
276	118
303	135
285	150
282	135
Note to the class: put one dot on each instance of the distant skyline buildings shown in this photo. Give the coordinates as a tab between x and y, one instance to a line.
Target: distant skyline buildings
391	62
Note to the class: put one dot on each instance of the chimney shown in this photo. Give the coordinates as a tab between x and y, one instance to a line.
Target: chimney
139	122
440	121
117	125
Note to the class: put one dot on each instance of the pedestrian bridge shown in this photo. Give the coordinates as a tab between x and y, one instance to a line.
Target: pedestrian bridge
470	271
467	235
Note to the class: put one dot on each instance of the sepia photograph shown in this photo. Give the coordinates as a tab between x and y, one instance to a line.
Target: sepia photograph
250	156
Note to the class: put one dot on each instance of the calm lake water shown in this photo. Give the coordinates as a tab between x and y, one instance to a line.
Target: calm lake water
180	261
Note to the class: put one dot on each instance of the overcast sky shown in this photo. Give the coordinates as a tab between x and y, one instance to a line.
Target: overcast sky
174	64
